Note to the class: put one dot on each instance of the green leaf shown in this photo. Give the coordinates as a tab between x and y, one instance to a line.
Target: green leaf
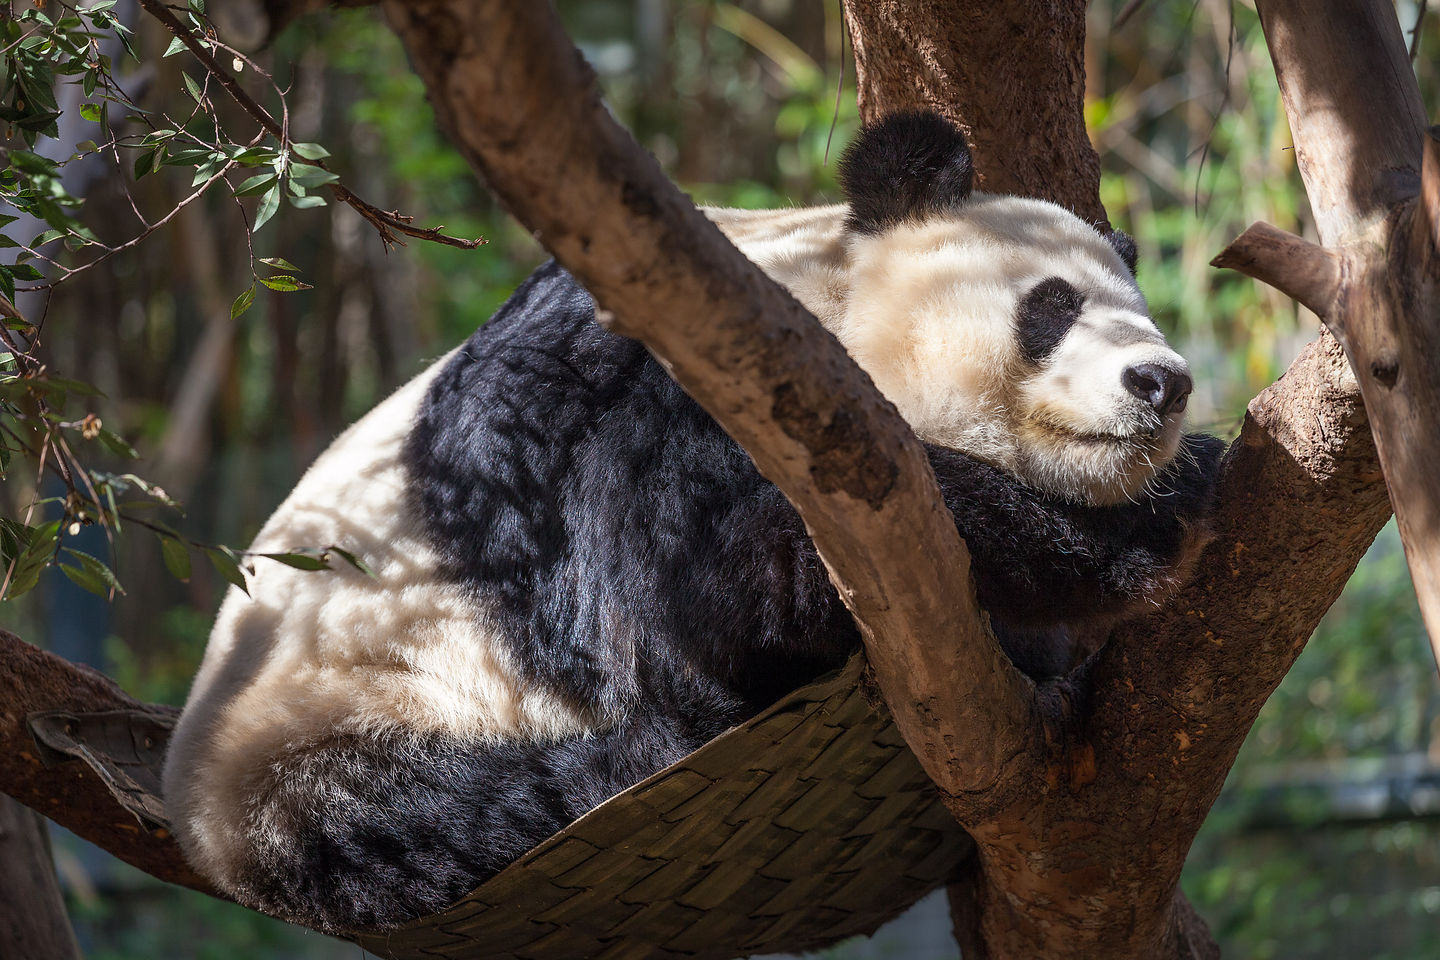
176	45
85	579
223	561
310	176
280	263
192	88
252	156
298	560
268	205
90	111
96	569
242	302
256	184
310	151
305	203
189	155
117	445
351	559
148	161
285	284
177	558
79	387
38	549
208	169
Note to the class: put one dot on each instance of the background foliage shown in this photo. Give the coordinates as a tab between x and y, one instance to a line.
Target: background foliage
1325	843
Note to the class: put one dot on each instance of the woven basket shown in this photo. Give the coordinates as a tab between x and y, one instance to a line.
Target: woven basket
809	824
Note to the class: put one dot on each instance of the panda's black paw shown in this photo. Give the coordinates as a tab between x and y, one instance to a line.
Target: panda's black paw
1041	561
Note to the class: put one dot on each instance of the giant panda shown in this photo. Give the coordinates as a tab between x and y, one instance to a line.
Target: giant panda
579	578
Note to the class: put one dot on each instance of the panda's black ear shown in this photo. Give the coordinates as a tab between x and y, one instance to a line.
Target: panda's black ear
1124	245
906	166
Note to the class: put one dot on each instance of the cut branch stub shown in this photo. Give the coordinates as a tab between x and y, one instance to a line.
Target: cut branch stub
1293	265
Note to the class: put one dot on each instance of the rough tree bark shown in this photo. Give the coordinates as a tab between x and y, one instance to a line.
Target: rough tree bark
33	681
1083	795
1138	747
1011	74
522	105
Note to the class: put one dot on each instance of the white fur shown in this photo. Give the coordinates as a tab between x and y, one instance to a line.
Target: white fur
308	655
928	309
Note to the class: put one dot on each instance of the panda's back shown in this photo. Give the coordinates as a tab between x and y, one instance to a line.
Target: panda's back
570	565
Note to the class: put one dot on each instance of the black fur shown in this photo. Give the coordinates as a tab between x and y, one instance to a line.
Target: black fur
638	564
906	166
1124	245
1045	315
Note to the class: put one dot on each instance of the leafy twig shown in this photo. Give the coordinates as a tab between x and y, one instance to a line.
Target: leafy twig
387	224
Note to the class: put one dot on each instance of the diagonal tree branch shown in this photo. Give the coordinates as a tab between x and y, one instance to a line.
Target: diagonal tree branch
521	104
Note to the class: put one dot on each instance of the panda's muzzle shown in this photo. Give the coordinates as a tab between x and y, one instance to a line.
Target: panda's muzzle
1167	391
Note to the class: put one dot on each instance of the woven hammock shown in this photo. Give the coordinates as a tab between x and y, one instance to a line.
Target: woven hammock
809	824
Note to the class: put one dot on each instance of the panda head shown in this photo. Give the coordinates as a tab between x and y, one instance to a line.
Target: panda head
1003	326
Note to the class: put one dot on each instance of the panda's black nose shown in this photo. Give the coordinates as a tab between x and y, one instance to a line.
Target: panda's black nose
1164	389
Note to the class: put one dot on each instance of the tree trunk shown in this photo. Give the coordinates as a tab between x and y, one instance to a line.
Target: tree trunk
1083	795
33	922
1011	74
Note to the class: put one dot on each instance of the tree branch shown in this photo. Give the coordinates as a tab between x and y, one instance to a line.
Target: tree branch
33	922
33	681
1296	267
522	106
1373	176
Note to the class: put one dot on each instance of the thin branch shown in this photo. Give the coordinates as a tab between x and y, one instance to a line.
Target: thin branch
1301	270
140	237
388	224
1415	30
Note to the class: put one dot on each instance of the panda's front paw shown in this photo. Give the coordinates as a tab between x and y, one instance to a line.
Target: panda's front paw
1186	488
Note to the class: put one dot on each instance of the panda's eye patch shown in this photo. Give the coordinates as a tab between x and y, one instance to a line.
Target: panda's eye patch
1046	314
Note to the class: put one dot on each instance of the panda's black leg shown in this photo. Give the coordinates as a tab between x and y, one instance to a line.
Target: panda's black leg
363	832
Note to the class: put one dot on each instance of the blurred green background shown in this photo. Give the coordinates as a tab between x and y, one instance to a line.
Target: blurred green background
1325	843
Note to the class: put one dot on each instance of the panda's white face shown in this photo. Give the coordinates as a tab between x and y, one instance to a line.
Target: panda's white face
1001	326
1011	329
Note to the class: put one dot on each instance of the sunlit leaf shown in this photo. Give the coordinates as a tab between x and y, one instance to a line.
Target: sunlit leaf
242	302
285	284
